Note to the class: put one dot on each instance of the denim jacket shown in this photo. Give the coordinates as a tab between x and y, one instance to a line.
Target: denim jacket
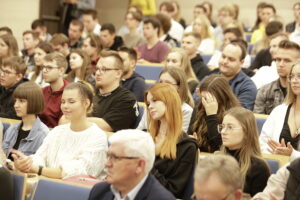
28	145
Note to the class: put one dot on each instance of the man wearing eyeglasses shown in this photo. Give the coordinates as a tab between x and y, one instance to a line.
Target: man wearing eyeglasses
129	160
54	67
11	75
271	95
218	177
114	108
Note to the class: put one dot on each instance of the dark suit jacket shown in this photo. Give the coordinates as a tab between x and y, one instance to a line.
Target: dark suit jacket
151	190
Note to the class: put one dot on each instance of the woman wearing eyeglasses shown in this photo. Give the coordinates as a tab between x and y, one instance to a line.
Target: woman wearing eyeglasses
240	139
175	151
75	148
216	97
176	78
281	131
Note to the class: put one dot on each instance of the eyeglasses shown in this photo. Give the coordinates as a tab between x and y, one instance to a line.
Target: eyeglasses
104	69
229	128
113	157
6	73
193	197
48	68
293	77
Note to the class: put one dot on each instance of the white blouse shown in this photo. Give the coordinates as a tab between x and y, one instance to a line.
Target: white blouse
75	153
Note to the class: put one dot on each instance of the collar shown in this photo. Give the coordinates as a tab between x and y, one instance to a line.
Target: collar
61	89
132	194
108	93
239	76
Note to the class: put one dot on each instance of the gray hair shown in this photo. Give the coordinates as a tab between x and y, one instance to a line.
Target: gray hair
226	167
136	143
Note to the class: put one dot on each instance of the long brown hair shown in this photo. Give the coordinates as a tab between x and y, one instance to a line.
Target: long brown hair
183	89
219	87
250	146
169	96
85	70
291	97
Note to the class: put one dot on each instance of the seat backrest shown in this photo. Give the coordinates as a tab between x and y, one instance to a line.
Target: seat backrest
206	58
56	190
260	122
149	72
274	165
19	184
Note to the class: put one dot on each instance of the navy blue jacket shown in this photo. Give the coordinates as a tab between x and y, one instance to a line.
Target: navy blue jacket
136	84
151	190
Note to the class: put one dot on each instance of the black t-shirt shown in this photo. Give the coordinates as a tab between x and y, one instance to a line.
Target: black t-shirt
118	108
21	135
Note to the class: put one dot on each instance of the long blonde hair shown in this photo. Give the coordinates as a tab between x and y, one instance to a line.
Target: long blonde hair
185	64
250	146
173	115
205	30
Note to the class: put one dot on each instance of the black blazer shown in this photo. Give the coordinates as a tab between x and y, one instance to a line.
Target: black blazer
151	190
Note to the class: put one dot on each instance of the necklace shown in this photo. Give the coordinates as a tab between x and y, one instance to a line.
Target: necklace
295	121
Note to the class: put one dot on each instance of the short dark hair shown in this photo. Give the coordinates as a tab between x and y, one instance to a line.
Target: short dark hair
236	31
33	94
201	6
16	63
170	8
45	46
37	23
154	21
286	44
6	29
242	44
58	58
109	27
274	27
138	16
35	35
268	5
91	12
77	22
130	51
165	22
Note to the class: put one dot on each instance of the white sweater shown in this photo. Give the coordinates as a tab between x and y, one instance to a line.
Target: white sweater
75	153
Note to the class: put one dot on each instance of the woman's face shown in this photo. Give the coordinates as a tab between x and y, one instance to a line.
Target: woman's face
39	55
3	49
73	105
295	80
167	78
76	61
173	60
21	107
232	133
156	108
130	22
197	26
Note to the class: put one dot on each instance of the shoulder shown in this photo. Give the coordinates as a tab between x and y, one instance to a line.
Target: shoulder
279	109
100	190
123	94
186	108
96	131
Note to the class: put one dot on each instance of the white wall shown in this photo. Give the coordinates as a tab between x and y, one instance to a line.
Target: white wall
18	15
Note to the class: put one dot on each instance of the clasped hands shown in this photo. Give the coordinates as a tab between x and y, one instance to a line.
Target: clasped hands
23	162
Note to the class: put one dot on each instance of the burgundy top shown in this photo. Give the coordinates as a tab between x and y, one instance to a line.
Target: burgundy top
156	54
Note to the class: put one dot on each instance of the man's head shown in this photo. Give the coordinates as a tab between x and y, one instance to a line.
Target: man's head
75	30
129	57
109	70
60	43
5	30
12	71
54	67
89	18
108	34
226	15
133	19
199	10
287	53
93	45
130	158
231	34
190	43
218	177
39	26
267	11
151	27
274	42
30	40
232	59
166	8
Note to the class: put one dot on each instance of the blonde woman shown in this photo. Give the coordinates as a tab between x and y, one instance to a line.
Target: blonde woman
175	151
202	26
